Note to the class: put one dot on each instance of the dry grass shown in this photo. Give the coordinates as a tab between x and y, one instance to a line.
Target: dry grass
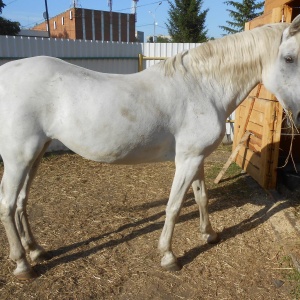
102	223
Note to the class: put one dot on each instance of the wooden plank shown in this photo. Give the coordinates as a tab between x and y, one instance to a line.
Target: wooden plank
254	140
261	124
247	26
266	94
289	12
256	149
243	104
249	168
240	127
260	105
254	91
256	117
273	14
276	145
250	156
261	20
267	137
260	157
256	129
245	108
253	147
270	4
232	156
236	128
277	14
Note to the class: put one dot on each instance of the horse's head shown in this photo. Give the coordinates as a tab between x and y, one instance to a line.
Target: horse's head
284	80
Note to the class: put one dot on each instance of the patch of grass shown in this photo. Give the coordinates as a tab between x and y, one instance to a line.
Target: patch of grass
233	170
213	169
292	275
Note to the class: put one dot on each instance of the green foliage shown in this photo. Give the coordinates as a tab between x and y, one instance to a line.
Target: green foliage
186	23
159	39
245	11
163	39
1	6
8	27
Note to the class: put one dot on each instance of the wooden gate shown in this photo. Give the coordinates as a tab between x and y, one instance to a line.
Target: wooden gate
261	113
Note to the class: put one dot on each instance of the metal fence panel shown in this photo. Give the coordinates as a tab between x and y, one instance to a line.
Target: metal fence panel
102	56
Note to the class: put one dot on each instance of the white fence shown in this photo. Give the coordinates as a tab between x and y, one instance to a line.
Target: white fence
108	57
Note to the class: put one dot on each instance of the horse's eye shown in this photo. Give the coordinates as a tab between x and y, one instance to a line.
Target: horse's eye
289	59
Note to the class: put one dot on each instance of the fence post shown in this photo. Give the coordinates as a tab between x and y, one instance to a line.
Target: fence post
140	63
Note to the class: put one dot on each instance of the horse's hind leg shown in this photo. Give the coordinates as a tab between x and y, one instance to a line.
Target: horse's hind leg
12	181
36	252
201	198
17	164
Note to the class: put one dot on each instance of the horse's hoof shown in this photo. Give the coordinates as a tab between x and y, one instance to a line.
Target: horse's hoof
170	263
41	257
173	267
212	238
28	275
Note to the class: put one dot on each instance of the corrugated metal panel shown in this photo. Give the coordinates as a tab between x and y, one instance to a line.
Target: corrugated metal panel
102	56
164	50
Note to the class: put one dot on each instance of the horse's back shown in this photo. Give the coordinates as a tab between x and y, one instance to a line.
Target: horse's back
104	117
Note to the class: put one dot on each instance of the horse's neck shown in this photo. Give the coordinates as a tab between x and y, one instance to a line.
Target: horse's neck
237	64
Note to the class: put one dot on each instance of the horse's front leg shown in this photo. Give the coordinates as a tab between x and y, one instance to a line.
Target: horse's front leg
186	170
199	188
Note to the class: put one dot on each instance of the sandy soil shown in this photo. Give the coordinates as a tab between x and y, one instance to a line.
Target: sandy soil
101	223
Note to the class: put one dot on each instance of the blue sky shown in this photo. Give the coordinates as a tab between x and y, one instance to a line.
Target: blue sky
30	12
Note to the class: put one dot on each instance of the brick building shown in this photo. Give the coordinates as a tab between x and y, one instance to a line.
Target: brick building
88	24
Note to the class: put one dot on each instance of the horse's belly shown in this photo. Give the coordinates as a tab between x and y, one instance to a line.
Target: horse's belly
124	151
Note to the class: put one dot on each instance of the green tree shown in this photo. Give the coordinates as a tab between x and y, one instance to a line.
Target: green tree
186	23
160	39
1	6
245	11
8	27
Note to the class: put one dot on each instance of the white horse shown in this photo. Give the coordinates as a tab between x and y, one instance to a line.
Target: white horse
174	110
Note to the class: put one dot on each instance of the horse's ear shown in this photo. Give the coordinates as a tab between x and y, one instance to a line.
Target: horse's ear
295	26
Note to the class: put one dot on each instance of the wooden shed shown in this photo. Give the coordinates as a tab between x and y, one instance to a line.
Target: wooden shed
268	146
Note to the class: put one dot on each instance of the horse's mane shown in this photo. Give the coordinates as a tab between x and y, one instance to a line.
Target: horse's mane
230	52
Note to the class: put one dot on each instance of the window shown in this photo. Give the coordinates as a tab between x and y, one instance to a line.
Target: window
62	21
54	24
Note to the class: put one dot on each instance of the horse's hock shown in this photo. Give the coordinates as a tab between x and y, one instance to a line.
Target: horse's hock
272	152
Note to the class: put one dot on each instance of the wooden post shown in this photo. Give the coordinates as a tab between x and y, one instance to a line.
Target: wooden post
233	156
140	63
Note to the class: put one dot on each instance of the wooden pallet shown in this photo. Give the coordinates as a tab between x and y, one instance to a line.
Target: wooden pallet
259	157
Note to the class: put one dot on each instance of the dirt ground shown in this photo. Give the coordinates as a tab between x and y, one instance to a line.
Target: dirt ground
101	223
